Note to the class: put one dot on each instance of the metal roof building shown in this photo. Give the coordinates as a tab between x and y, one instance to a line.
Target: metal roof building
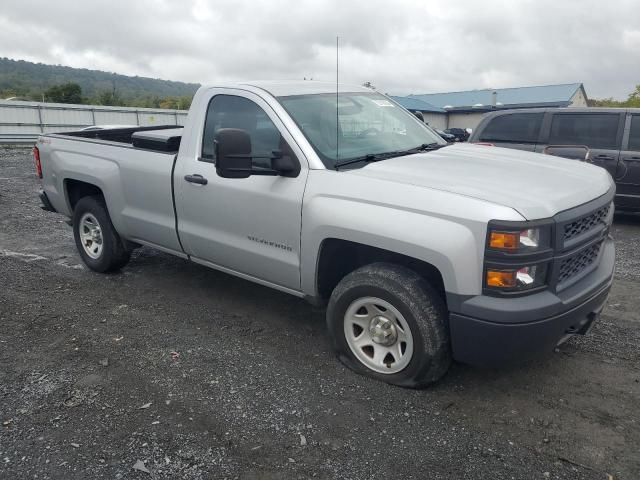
434	116
570	94
464	109
414	104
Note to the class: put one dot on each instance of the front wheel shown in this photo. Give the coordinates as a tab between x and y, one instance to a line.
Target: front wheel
388	323
98	243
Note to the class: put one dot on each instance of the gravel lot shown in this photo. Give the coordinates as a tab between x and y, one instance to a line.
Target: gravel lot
191	373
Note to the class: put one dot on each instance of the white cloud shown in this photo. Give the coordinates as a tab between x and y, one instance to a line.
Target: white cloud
631	41
406	46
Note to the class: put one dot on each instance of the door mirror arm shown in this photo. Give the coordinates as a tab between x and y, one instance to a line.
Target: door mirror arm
284	164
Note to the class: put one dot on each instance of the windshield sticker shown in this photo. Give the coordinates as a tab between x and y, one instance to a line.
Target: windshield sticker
383	103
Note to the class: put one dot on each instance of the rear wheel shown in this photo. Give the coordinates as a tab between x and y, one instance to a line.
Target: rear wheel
98	243
388	323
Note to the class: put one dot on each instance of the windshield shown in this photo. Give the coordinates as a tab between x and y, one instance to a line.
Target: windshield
369	124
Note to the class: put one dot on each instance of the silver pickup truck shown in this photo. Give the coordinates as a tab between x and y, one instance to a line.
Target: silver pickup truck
423	252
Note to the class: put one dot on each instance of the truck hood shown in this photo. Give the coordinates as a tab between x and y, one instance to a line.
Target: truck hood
536	185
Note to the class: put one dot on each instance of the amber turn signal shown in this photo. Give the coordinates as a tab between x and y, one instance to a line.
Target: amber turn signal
496	278
504	240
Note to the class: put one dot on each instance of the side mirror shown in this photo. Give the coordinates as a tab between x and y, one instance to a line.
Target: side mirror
233	153
573	152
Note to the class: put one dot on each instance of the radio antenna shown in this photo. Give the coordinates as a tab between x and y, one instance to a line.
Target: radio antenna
337	120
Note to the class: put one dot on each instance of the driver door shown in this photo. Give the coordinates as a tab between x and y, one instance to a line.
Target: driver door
628	175
250	226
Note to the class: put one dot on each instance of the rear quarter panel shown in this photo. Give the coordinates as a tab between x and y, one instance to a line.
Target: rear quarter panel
136	185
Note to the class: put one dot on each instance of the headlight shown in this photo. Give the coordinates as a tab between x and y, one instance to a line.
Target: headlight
517	278
530	238
519	241
522	239
517	256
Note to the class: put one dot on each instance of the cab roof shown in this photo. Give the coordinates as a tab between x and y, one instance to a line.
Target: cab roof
285	88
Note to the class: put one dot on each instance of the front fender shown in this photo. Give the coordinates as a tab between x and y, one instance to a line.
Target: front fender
449	246
445	229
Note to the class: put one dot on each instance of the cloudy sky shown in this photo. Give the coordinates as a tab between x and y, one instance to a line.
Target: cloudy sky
401	46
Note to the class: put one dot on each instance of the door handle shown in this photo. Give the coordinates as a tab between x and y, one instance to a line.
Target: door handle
604	157
631	159
195	178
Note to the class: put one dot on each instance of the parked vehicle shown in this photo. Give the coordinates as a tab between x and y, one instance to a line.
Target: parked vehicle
419	115
422	253
447	136
611	134
461	134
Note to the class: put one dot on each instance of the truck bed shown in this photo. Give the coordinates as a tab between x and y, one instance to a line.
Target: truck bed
134	175
165	138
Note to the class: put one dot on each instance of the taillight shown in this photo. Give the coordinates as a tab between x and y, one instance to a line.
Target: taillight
36	160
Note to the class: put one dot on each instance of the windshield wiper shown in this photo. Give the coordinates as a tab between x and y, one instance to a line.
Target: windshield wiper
427	147
369	157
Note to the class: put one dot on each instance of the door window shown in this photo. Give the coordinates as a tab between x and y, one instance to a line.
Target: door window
228	111
513	128
593	130
634	133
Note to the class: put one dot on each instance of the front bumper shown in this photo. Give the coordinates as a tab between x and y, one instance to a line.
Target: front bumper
490	331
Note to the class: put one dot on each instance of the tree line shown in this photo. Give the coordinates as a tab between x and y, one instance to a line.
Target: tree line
56	83
72	93
632	101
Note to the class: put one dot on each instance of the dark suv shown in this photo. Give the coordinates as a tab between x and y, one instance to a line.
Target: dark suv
612	135
460	133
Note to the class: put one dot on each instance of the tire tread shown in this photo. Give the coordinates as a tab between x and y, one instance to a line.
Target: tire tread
427	307
115	254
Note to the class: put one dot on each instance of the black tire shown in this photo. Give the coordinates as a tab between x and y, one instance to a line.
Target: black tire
114	254
421	306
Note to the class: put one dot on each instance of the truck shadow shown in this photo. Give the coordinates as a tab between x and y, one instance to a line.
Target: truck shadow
295	326
289	326
183	282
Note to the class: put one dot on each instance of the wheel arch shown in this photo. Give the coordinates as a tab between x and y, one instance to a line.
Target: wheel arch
76	189
338	257
77	186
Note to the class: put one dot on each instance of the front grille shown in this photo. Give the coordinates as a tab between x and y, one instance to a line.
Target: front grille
584	224
578	263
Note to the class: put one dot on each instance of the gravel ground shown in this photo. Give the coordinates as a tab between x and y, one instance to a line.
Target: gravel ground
171	370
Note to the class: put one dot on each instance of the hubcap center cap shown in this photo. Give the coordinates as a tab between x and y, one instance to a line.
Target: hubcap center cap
383	331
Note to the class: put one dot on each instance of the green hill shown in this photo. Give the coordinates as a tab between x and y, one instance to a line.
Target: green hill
31	80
